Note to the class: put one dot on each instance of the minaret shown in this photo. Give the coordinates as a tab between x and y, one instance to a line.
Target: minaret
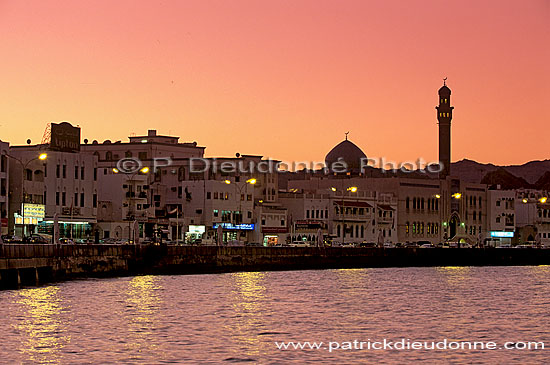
444	116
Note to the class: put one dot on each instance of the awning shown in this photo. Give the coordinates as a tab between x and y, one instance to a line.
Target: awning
353	204
385	207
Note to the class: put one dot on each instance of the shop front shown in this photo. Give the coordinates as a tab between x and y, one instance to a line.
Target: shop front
307	231
234	234
194	233
274	236
33	215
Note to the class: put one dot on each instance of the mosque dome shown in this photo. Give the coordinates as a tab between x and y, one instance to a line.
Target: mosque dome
345	151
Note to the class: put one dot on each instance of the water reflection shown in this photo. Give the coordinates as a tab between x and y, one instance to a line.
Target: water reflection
248	303
142	311
455	275
41	329
352	281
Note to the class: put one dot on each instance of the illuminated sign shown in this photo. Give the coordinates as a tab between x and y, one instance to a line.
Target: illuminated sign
64	137
501	234
242	226
34	210
196	229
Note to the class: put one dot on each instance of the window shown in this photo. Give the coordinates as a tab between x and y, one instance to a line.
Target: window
57	171
249	214
215	212
76	172
95	173
208	195
63	199
307	214
82	173
215	195
407	201
82	199
142	155
64	171
94	200
75	201
407	227
57	198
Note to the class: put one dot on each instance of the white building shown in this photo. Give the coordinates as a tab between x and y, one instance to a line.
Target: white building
124	200
62	184
501	218
4	184
533	217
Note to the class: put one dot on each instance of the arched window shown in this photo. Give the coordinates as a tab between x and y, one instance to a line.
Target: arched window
407	202
407	227
109	156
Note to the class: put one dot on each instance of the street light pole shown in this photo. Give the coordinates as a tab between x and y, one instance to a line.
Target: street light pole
130	180
250	181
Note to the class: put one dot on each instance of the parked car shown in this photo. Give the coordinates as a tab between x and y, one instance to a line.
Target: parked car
11	239
299	244
37	238
427	245
525	245
66	241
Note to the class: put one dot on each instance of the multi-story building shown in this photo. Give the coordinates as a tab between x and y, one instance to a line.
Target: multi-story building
501	220
62	185
168	162
124	200
4	181
532	210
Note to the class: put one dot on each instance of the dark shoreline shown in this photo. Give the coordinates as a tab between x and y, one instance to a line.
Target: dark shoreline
30	265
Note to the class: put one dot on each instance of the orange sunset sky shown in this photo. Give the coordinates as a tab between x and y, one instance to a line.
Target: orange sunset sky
283	79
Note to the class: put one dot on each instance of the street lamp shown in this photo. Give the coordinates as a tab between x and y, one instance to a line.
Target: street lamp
43	156
352	189
251	181
129	177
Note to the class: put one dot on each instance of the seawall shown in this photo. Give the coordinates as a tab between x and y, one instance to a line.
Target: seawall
26	264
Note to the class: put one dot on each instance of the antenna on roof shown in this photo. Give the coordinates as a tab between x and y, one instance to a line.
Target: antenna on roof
346	135
444	83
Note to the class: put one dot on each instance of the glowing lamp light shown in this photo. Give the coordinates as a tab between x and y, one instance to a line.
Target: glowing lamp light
144	170
524	200
251	181
333	188
353	189
462	224
115	170
227	182
457	195
43	156
437	196
543	199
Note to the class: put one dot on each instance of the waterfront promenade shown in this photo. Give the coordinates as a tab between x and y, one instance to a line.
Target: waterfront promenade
26	264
